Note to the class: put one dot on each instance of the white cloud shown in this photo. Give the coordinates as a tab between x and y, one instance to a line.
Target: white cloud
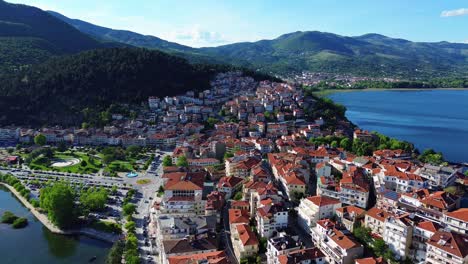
456	12
195	36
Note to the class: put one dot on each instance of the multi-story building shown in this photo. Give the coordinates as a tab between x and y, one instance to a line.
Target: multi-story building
398	233
448	248
244	241
422	232
314	208
375	220
303	256
183	193
229	185
438	176
337	243
457	220
349	216
280	245
271	218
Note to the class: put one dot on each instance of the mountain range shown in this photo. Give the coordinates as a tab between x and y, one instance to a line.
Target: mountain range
368	55
29	35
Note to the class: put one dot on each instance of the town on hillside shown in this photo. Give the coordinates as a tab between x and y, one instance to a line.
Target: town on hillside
256	172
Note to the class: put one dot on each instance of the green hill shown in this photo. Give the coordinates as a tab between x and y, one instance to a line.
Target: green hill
369	55
57	92
29	35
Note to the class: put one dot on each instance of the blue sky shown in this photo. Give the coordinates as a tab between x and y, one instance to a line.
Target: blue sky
216	22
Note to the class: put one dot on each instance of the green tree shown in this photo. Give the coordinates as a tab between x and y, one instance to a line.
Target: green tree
182	161
334	144
40	140
130	226
167	161
115	253
379	247
346	144
59	201
20	223
129	209
94	199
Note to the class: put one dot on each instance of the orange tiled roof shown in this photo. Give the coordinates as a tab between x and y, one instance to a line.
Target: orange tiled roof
322	200
246	235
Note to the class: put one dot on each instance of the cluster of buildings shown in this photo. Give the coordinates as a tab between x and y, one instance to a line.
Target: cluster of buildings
253	172
331	79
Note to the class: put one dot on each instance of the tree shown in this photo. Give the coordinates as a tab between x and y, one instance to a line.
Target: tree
20	223
59	201
116	252
83	163
346	144
182	161
334	144
94	199
129	209
167	161
363	234
130	226
379	247
40	140
8	217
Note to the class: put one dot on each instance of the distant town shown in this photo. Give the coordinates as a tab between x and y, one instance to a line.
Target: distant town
244	173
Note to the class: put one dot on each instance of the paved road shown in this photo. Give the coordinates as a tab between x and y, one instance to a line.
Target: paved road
226	235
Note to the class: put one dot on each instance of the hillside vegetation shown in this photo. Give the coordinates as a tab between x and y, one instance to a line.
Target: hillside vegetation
57	92
29	35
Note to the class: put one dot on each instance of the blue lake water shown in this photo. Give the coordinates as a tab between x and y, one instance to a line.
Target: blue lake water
435	119
36	244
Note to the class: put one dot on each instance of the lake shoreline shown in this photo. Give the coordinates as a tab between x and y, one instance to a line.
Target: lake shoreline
327	92
54	229
428	118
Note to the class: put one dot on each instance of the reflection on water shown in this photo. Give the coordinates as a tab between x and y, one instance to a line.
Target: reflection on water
36	244
59	246
430	119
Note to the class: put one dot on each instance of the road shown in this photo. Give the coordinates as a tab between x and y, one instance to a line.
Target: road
226	235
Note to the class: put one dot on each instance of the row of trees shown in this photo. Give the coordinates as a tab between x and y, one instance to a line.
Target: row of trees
182	161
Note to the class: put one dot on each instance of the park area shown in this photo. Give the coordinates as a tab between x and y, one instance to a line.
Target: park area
68	161
111	161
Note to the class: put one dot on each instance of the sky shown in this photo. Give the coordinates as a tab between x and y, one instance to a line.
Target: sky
200	23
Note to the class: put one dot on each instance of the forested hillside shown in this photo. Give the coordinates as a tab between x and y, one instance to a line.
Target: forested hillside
29	35
57	91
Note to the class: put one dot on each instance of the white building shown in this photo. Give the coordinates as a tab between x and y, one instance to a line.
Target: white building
398	234
314	208
280	245
448	248
457	220
335	242
271	219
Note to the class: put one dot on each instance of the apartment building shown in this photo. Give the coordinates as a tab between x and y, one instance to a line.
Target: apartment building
314	208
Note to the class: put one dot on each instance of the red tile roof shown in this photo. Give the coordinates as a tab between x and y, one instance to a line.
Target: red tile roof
322	200
460	214
247	237
450	242
237	216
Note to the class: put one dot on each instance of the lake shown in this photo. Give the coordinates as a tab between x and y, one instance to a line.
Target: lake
435	119
36	244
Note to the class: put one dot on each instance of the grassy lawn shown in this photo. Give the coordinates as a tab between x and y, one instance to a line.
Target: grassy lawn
91	165
143	181
119	166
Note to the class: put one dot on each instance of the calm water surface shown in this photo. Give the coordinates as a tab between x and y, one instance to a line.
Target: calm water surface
35	244
435	119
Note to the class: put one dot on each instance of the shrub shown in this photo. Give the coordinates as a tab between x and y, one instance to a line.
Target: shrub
8	217
20	223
